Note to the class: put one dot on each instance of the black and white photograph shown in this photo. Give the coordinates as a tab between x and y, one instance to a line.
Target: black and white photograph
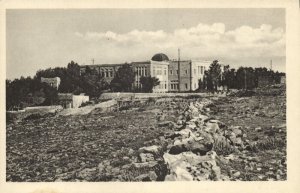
145	95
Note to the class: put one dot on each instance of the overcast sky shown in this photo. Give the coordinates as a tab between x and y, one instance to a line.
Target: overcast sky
38	39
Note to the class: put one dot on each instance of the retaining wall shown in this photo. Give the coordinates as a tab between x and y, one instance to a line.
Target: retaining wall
146	95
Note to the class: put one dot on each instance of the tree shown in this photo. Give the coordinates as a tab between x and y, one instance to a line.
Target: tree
246	78
214	76
204	83
73	69
231	79
25	92
148	83
124	79
225	76
92	83
200	83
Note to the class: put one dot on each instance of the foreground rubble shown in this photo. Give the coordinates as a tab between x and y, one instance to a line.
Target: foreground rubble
171	139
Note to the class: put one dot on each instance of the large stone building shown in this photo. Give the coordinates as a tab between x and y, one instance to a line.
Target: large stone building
174	75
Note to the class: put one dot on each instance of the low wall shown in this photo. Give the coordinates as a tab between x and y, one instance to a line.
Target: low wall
106	104
147	95
87	109
41	110
49	109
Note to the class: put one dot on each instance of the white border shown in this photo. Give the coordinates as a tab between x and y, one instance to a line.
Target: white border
293	115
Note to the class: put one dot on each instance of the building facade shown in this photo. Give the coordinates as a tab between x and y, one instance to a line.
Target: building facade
54	82
174	75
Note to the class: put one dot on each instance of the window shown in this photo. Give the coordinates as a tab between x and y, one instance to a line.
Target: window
176	71
171	72
186	85
145	72
165	72
171	86
185	71
111	74
106	73
201	69
165	86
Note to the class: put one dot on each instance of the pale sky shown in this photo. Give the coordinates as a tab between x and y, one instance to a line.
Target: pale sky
39	39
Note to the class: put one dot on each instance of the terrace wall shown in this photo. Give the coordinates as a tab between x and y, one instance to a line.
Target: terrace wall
146	95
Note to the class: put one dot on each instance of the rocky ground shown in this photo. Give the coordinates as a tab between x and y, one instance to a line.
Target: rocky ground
214	138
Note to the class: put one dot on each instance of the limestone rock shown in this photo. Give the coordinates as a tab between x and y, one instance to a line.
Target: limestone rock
154	149
146	157
212	127
188	166
88	174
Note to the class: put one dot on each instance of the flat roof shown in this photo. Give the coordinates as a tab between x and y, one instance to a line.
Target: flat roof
117	64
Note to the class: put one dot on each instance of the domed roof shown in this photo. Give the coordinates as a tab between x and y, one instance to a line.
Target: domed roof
160	57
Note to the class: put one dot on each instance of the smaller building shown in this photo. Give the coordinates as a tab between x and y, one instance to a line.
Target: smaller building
54	82
68	100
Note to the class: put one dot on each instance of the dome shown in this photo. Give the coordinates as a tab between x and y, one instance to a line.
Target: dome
160	57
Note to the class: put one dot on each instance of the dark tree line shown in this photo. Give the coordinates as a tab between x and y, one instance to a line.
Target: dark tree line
242	78
25	92
29	91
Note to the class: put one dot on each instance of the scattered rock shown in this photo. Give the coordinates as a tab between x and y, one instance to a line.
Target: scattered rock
146	157
88	174
154	149
258	129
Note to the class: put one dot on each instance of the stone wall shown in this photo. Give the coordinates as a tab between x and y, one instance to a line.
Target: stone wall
48	109
147	95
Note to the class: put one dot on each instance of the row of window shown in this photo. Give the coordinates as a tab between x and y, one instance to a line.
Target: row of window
141	71
159	72
107	73
201	70
176	86
162	85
